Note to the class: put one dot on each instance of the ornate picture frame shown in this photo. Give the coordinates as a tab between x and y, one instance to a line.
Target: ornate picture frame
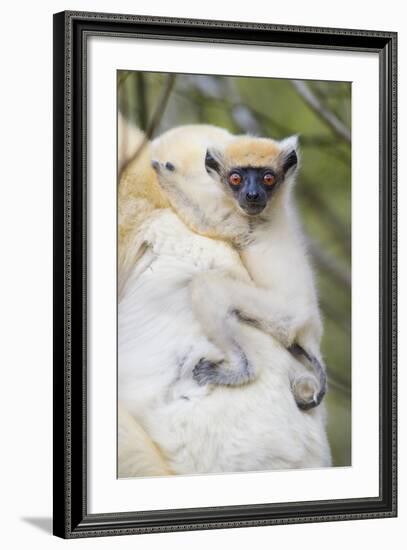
72	518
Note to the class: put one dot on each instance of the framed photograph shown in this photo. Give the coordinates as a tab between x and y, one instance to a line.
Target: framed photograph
224	274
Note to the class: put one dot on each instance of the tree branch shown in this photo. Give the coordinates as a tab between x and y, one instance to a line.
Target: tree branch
155	119
140	92
336	125
162	104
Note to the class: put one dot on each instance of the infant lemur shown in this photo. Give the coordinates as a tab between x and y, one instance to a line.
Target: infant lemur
239	189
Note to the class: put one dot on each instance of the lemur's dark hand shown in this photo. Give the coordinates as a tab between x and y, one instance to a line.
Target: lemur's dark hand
308	389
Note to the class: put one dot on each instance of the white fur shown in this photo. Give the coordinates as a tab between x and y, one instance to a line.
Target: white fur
137	454
204	429
283	299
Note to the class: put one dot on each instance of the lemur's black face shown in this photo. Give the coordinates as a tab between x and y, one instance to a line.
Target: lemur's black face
252	187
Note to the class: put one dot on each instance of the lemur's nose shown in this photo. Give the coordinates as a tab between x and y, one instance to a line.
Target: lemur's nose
252	196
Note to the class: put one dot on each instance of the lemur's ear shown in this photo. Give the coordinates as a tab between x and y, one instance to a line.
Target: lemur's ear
289	153
213	161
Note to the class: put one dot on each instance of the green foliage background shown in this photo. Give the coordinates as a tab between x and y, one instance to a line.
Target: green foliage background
320	113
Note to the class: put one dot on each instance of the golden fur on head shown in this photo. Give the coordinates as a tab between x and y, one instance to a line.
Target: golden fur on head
185	146
140	193
251	151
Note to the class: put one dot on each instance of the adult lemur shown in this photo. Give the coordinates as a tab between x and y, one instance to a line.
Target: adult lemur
252	210
169	263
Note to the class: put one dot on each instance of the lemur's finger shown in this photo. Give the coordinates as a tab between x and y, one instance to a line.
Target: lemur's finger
156	165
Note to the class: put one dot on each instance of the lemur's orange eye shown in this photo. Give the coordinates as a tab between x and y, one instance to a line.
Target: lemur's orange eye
269	179
235	178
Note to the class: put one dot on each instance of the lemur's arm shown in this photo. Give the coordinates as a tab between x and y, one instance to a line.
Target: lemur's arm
215	295
221	303
212	219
